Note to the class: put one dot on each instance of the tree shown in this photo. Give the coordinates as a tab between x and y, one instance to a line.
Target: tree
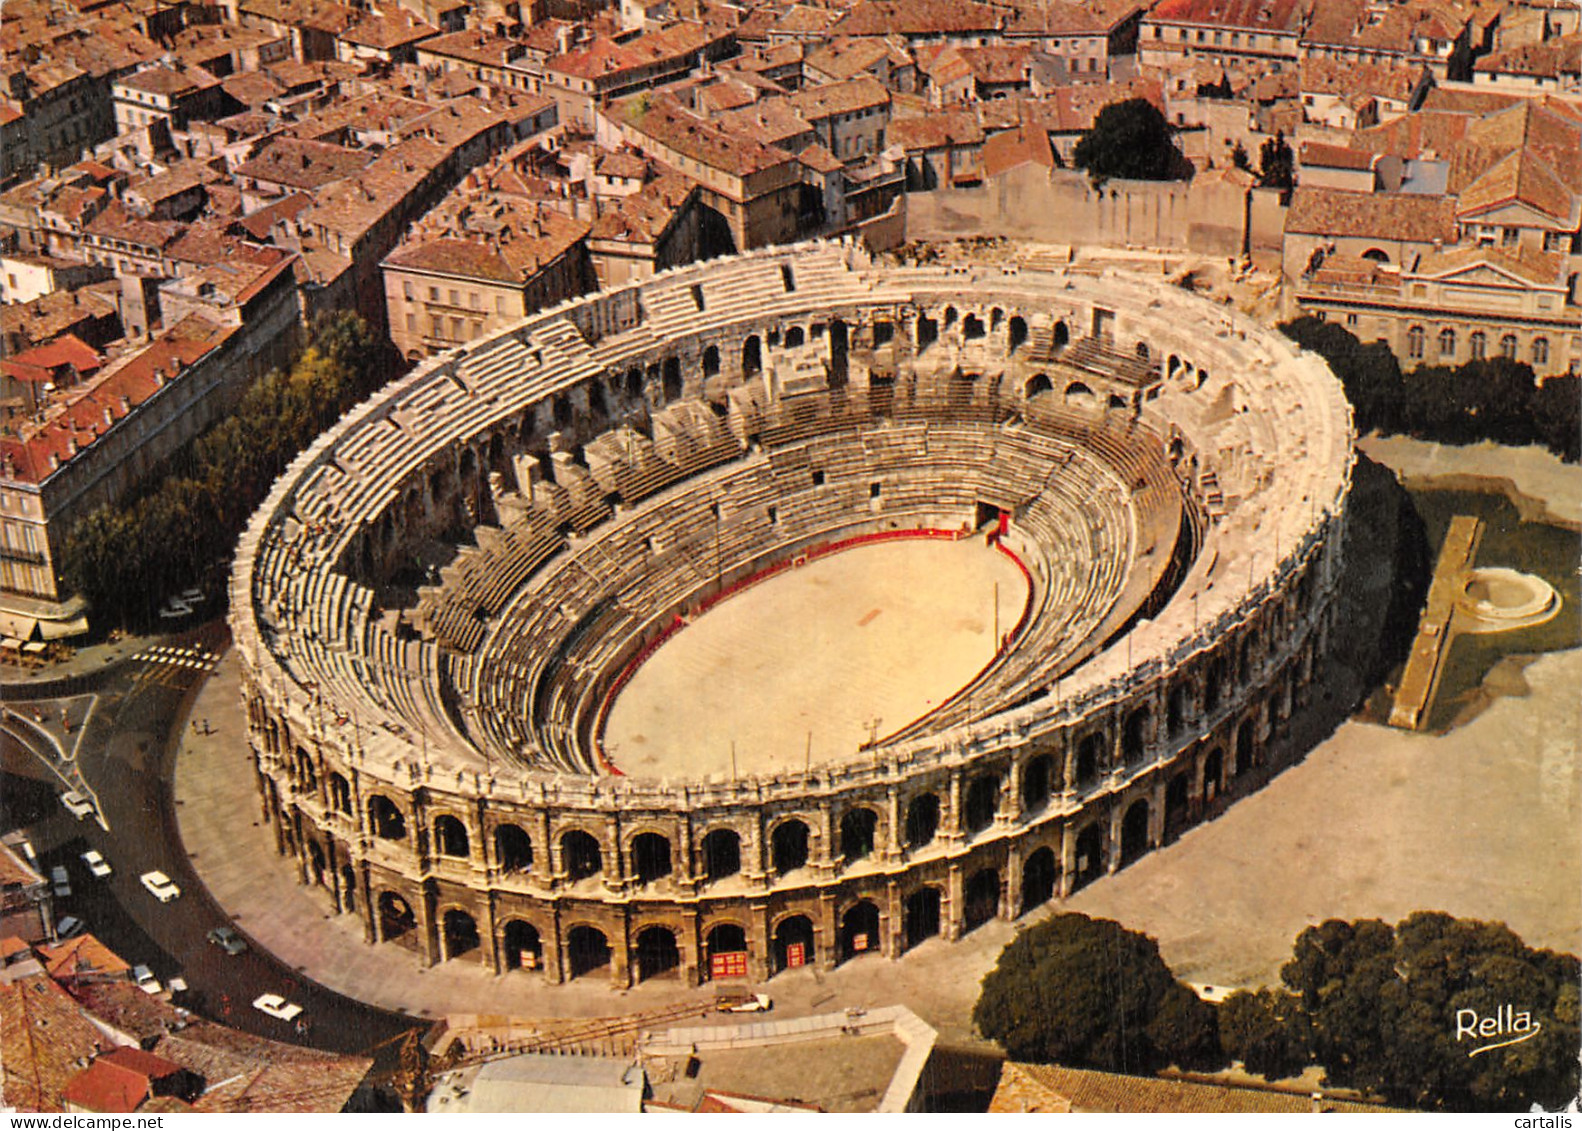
1276	163
1088	992
1267	1031
1239	158
1129	139
1388	1010
1369	373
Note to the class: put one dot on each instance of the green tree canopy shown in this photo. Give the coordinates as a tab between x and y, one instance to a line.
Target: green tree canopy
1383	1005
1276	163
1267	1031
1088	992
1129	139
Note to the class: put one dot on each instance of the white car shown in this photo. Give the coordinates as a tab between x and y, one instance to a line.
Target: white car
160	886
76	804
145	980
27	850
277	1006
68	926
96	863
61	880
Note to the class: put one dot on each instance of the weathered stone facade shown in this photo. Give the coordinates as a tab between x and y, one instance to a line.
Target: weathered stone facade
447	782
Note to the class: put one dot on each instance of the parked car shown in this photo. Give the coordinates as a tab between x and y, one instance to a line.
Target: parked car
160	886
61	880
67	926
27	850
76	804
96	863
228	940
743	1003
277	1006
144	978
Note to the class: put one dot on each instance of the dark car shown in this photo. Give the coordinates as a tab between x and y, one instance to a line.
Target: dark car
228	940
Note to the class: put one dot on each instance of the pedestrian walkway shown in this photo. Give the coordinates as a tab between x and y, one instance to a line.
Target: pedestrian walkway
232	850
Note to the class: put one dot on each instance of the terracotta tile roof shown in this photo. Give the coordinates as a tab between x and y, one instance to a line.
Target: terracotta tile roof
251	88
247	1073
41	363
1549	59
1026	145
499	239
844	57
161	79
1524	178
304	165
1065	17
118	1081
1031	1088
473	45
116	223
1316	153
1255	15
384	32
815	103
43	1033
1319	75
920	18
820	160
935	131
1391	216
645	215
1535	268
670	124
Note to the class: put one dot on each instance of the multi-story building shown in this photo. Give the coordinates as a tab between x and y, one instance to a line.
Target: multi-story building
167	95
478	263
1264	33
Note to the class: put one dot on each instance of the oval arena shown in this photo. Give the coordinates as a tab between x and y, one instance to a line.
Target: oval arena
443	600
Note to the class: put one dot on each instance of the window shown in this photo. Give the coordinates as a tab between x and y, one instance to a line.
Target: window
1508	346
433	294
1508	236
407	292
475	300
455	298
1414	342
1351	319
1480	346
1447	342
499	304
1540	351
411	323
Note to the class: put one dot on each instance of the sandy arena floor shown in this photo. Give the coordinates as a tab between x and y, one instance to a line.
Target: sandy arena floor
861	642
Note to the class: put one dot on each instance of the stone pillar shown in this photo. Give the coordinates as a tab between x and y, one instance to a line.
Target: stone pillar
827	932
614	856
892	841
891	922
1156	812
690	944
1112	842
489	935
621	953
953	830
1068	858
953	912
428	927
1011	885
759	940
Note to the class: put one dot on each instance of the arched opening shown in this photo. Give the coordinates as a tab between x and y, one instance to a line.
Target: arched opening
1175	710
596	403
725	944
1037	383
983	795
1134	832
980	898
340	794
1090	855
587	950
1062	335
1117	401
794	337
1213	774
671	382
752	356
1089	751
927	332
316	862
788	846
450	837
1377	255
1176	808
1244	748
580	855
562	410
922	820
305	772
650	857
793	943
385	818
920	916
1213	685
722	854
972	328
634	383
460	933
1035	781
839	350
1135	733
1078	395
858	828
950	317
711	361
524	949
396	919
1018	333
657	953
512	849
1508	346
859	930
1038	879
1142	351
348	889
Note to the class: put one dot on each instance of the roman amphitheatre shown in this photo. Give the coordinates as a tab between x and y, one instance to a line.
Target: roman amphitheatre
785	609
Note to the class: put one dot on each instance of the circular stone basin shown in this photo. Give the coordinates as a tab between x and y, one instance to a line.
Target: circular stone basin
1497	599
815	661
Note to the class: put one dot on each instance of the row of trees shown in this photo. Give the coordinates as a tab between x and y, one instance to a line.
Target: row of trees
183	525
1494	399
1132	139
1376	1006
